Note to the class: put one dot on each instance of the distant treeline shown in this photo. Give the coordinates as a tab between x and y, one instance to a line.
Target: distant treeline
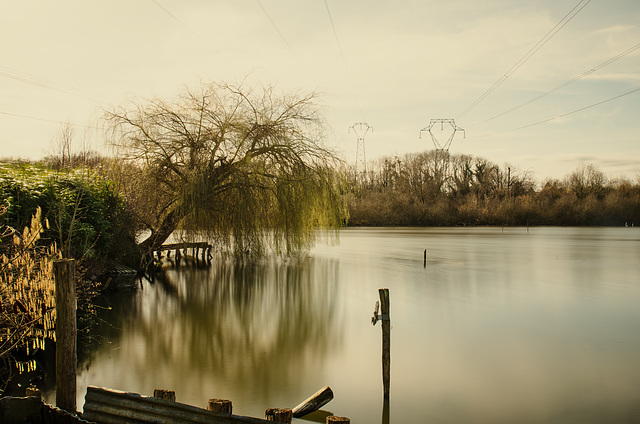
435	188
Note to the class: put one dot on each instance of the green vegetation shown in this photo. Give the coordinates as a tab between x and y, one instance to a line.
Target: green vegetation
435	188
86	215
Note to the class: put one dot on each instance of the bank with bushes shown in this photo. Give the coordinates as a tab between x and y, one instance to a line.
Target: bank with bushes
435	188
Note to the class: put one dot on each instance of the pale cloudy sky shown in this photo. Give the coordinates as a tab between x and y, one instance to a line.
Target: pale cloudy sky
392	64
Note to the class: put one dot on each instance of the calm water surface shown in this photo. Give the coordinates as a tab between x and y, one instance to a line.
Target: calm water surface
502	326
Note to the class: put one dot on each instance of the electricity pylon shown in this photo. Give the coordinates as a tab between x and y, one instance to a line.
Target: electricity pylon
442	122
360	129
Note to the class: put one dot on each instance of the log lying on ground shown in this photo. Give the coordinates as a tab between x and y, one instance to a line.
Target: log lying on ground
314	402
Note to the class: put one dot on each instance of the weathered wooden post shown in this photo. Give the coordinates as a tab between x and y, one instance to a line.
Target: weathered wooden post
169	395
386	340
220	406
279	415
386	337
66	333
425	258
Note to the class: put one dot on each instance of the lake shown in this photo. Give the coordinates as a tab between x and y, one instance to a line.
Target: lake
503	325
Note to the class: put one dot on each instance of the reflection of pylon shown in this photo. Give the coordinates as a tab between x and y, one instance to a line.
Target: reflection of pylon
360	129
441	121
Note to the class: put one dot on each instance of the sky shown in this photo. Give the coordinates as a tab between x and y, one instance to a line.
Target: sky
542	86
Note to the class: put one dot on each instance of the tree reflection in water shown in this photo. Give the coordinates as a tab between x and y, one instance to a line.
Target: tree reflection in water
248	332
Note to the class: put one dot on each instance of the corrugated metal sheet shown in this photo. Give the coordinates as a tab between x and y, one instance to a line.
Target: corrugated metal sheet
107	406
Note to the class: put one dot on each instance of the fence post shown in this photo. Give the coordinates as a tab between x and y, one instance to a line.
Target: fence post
66	333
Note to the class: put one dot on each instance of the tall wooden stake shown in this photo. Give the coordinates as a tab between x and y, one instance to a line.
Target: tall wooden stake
386	340
66	334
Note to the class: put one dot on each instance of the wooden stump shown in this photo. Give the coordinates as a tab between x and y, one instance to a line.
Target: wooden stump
33	392
334	419
220	406
283	415
165	394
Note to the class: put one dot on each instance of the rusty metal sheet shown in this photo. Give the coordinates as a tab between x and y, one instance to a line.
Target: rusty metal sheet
107	406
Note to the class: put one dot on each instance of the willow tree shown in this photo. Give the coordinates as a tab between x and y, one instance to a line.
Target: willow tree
245	166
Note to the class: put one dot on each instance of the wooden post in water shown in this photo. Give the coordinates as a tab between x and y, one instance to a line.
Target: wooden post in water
220	406
425	258
66	333
279	415
385	412
386	340
334	419
383	316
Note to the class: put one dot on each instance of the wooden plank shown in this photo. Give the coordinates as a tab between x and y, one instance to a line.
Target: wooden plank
313	402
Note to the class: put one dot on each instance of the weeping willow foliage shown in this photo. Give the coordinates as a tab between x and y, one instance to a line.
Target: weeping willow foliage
243	166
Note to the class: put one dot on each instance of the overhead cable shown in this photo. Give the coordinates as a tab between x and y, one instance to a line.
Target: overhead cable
185	26
45	83
568	17
344	61
276	28
561	116
17	115
563	85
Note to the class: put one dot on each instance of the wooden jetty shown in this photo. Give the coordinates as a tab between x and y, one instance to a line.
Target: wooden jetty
196	251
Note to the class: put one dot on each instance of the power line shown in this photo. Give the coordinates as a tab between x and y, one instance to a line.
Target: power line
44	83
565	84
568	17
578	110
276	28
344	61
48	120
185	26
563	115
